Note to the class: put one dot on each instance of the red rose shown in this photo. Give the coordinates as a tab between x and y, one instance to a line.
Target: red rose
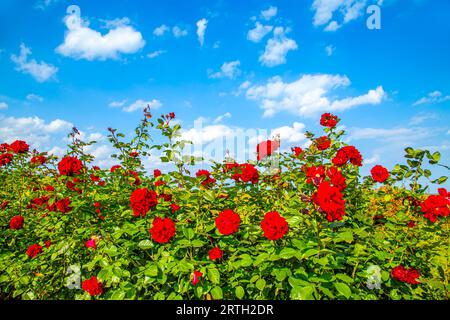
91	244
34	250
402	274
297	151
38	160
63	205
274	226
207	180
195	277
323	143
215	253
5	159
114	168
411	224
315	175
328	120
92	286
266	148
246	173
174	207
347	154
69	166
379	173
19	146
337	179
157	173
16	223
134	154
142	200
162	230
436	206
330	200
137	180
48	243
49	188
228	222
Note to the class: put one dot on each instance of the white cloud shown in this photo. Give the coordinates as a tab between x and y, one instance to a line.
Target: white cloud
34	98
44	4
332	26
82	42
141	105
309	95
116	23
3	105
432	97
161	30
201	29
40	71
403	135
259	32
222	117
34	130
117	104
269	13
422	117
155	54
228	70
327	10
372	160
277	48
178	32
292	134
330	50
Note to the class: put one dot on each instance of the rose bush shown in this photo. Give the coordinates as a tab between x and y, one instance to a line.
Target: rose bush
310	230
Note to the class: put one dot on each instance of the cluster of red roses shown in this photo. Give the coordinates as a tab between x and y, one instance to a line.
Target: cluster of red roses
205	175
7	151
400	273
245	172
436	205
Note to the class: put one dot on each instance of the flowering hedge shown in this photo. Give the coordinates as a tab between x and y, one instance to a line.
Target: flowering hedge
313	228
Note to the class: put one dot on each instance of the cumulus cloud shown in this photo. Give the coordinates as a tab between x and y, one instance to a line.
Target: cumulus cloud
201	29
309	95
432	97
40	71
259	32
178	32
141	105
34	130
326	12
277	48
82	42
269	13
161	30
228	70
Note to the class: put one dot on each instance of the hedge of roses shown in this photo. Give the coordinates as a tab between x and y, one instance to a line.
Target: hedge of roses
310	228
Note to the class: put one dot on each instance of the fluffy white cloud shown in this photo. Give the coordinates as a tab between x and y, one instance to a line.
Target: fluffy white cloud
327	10
269	13
228	70
161	30
155	54
141	105
82	42
277	48
292	134
178	32
34	98
34	130
309	95
432	97
117	104
372	160
201	29
3	105
259	32
40	71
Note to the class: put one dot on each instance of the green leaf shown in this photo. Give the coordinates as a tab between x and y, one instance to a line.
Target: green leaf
214	275
260	284
302	293
117	295
145	244
343	289
216	292
239	292
287	253
344	278
309	253
151	270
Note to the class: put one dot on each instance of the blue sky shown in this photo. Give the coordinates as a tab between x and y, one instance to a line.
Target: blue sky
256	64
